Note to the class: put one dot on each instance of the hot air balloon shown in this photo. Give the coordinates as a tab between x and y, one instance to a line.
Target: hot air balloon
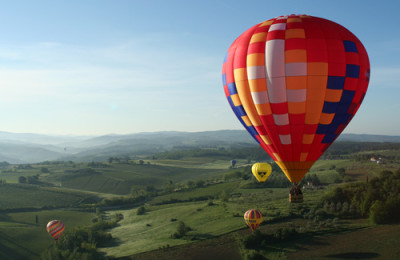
55	228
233	162
253	218
261	171
295	82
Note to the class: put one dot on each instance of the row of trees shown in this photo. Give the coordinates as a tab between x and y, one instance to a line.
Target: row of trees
345	149
34	179
4	165
254	153
378	199
124	160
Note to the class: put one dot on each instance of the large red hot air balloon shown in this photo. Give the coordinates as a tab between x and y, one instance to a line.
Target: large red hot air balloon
295	82
55	228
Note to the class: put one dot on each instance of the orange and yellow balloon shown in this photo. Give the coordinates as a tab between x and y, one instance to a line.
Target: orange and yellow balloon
55	228
295	82
261	171
253	218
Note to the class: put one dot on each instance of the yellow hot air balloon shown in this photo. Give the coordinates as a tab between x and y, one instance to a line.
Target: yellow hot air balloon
261	171
253	218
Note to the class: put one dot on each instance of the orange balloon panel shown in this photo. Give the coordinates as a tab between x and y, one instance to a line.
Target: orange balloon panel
295	82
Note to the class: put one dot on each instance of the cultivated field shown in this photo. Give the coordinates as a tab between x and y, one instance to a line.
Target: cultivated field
198	191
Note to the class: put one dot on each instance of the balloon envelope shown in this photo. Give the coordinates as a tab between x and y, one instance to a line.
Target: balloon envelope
233	163
55	228
261	171
295	82
253	218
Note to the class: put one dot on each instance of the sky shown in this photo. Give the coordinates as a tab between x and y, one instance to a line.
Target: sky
100	67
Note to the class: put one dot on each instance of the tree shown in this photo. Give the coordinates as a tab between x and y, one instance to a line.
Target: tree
200	183
33	179
315	180
182	230
141	210
377	214
150	188
44	170
341	172
191	184
385	212
21	179
4	165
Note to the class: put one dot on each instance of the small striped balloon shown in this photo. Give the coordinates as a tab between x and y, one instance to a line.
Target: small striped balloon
253	218
55	228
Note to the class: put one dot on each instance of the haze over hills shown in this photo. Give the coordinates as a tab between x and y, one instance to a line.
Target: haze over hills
33	148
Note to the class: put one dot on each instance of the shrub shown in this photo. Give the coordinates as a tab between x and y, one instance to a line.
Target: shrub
181	230
141	210
21	179
119	217
385	212
285	234
348	179
44	170
254	240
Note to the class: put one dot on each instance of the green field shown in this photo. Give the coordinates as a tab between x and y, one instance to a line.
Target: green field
22	238
213	209
208	219
120	178
154	229
35	196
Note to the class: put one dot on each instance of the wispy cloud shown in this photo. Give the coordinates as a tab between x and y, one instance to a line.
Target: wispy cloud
93	81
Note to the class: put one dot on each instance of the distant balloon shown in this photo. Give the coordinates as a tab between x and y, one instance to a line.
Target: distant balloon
55	228
295	82
233	163
253	218
261	171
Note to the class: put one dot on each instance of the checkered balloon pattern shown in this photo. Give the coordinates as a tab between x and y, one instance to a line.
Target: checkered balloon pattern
295	82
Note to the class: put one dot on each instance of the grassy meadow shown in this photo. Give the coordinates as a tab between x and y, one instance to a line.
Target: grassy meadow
22	238
207	219
190	190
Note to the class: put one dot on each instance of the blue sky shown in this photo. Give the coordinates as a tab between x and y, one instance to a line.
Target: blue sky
97	67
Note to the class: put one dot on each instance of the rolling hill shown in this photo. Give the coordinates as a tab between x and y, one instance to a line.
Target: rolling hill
33	148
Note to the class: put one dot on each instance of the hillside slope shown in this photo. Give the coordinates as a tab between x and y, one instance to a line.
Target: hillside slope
32	148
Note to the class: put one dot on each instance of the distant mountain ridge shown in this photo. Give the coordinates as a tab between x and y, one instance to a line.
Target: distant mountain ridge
39	138
369	138
33	148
